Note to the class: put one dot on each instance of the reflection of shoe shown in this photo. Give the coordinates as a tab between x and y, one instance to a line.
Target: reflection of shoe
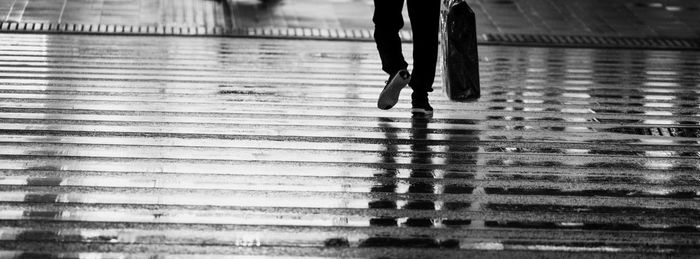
419	101
390	95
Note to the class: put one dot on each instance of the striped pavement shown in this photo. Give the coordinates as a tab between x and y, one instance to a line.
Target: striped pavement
256	148
628	24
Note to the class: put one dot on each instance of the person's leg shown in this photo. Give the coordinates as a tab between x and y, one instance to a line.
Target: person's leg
387	24
425	23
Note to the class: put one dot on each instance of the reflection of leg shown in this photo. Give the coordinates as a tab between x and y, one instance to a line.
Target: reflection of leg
425	22
268	4
420	161
386	183
387	24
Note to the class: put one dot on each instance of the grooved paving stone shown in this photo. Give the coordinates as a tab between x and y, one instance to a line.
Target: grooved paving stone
150	146
603	24
552	17
192	13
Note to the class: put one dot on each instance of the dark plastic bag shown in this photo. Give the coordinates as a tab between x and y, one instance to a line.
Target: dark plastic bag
460	71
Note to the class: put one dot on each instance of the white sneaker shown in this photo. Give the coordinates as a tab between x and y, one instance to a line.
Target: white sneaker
390	95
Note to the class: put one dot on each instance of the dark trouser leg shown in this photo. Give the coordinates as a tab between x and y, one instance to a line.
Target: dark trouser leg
387	23
425	22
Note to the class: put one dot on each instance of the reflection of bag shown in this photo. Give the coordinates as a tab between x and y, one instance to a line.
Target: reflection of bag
460	73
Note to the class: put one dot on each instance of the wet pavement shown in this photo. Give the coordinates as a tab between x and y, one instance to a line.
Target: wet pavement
666	24
140	146
636	18
631	18
193	13
186	146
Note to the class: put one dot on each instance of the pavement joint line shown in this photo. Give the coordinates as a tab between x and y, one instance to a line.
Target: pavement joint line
531	40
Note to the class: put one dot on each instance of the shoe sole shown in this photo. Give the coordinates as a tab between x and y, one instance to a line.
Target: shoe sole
390	95
421	111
